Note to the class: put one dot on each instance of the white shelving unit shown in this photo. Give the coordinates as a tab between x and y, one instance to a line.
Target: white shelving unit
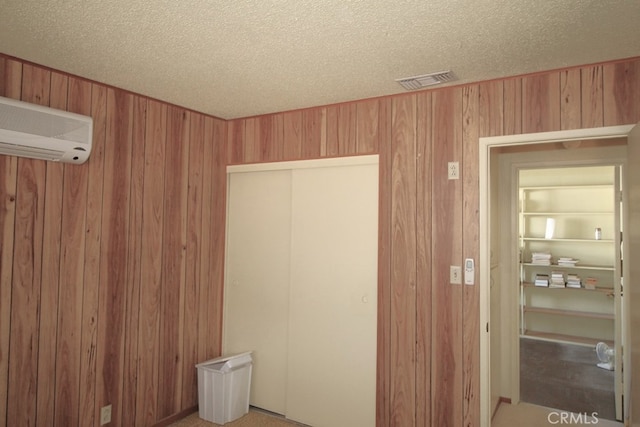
575	209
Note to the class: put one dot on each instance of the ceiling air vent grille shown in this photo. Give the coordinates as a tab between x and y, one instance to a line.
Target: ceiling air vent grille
426	80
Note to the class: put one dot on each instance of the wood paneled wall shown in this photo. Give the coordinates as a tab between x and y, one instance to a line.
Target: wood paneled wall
428	339
111	272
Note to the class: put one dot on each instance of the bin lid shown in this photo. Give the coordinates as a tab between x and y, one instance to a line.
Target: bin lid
226	363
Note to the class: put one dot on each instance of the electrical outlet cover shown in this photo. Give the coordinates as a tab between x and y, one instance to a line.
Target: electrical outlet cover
105	415
453	170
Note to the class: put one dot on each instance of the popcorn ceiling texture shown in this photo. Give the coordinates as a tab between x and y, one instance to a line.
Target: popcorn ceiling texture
242	58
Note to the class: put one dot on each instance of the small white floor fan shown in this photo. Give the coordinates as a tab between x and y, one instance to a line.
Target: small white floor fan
606	355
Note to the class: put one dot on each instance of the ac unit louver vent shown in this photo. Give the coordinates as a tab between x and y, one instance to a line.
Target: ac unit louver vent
35	152
38	132
426	80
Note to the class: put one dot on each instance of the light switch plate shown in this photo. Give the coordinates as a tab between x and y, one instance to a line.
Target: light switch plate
455	275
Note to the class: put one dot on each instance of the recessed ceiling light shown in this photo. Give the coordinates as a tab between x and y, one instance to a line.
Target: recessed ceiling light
426	80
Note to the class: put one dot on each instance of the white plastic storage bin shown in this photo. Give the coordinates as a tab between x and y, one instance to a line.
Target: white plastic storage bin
224	384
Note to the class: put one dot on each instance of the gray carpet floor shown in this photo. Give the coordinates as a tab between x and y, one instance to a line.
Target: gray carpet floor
565	376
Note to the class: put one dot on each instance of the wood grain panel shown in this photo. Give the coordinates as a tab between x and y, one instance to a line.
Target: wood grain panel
251	140
27	268
71	238
23	345
570	99
8	174
207	254
446	356
51	264
11	79
491	114
58	92
512	107
368	130
591	94
3	74
470	241
206	229
9	87
332	145
341	130
114	253
101	341
91	283
541	103
403	261
260	134
235	142
270	137
313	132
292	134
490	122
8	177
383	392
36	85
193	256
213	333
424	259
151	264
621	82
173	268
134	263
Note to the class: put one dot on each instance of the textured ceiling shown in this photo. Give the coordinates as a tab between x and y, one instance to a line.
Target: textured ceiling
242	58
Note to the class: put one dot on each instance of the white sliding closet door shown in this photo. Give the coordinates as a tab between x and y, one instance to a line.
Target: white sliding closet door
301	286
256	295
332	310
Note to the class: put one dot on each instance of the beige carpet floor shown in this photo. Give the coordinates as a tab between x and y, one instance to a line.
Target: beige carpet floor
528	415
255	418
521	415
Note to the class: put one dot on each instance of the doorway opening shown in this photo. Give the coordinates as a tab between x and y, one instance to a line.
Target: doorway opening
500	351
569	234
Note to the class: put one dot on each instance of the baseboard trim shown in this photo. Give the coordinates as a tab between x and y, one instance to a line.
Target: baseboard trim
176	417
501	400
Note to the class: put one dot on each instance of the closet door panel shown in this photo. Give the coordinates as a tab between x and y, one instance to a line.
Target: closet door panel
332	327
257	279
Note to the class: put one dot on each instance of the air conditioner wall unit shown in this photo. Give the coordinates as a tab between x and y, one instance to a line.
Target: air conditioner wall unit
38	132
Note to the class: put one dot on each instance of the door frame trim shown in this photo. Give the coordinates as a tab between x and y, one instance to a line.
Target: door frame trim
325	162
485	146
